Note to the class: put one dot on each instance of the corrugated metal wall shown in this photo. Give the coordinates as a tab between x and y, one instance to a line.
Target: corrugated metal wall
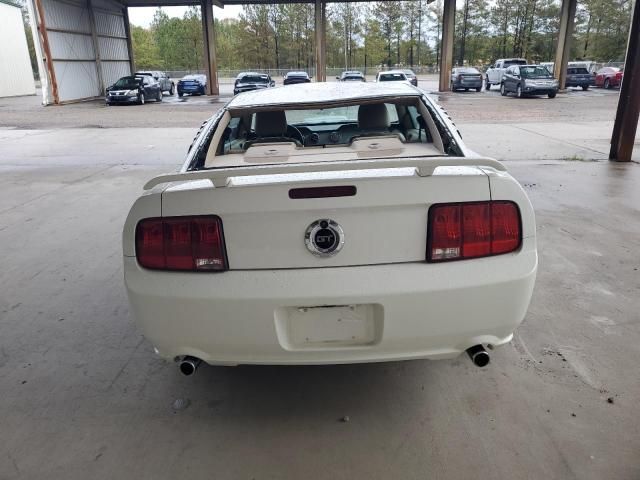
78	71
16	77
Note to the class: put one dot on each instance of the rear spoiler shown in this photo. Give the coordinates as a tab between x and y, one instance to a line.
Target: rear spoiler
424	168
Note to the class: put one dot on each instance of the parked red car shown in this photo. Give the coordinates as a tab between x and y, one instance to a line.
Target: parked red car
609	77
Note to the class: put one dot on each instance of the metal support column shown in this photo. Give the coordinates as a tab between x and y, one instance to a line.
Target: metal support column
50	74
96	47
321	40
446	44
565	34
626	124
211	68
127	29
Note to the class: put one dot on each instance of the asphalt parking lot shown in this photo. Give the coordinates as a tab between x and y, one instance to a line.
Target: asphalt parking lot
83	395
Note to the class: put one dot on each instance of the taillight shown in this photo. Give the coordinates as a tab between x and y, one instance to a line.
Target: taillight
181	243
459	231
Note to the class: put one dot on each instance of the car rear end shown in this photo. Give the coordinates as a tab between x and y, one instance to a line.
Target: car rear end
190	85
294	78
467	79
578	77
239	273
411	76
617	78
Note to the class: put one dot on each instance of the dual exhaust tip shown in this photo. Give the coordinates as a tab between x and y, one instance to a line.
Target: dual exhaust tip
478	355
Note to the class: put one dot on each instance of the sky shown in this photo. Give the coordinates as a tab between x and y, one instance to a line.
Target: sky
142	16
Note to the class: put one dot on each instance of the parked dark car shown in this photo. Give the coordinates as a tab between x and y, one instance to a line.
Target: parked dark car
578	77
609	77
411	76
296	77
247	81
133	89
193	85
466	77
166	84
351	76
526	80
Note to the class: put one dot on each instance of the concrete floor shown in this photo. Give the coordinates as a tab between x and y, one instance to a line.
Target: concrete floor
83	395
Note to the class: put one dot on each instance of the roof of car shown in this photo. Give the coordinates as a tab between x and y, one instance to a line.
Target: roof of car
391	71
244	74
297	73
331	92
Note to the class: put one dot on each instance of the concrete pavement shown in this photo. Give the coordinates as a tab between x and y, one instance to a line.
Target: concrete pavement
83	395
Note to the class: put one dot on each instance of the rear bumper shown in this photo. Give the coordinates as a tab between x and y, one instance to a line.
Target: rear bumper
532	90
469	84
578	83
190	89
421	310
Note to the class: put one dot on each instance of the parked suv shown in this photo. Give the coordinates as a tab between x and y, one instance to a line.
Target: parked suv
162	78
495	71
528	80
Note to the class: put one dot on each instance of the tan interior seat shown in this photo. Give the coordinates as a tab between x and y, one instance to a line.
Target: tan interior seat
374	118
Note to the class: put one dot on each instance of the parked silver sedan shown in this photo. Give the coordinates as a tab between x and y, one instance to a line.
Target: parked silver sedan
466	77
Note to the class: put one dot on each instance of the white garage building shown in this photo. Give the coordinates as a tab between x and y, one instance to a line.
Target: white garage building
16	77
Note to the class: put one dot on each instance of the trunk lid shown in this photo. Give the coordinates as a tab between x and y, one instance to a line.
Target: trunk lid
385	221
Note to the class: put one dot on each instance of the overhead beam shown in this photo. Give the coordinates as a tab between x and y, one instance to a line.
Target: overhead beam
565	35
321	40
626	123
446	44
211	67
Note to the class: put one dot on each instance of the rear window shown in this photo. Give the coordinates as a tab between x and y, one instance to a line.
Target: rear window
254	79
390	77
514	62
577	71
334	126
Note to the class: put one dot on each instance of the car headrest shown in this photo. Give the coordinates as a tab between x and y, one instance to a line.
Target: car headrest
271	124
373	116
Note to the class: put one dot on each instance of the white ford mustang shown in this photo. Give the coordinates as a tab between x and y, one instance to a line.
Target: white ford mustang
330	223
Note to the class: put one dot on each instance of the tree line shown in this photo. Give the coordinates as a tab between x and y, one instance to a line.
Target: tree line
391	33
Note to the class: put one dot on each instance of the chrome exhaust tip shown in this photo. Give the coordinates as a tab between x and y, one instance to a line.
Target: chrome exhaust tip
478	356
189	365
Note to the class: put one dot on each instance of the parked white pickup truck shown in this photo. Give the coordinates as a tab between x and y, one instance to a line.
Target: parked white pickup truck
330	223
495	71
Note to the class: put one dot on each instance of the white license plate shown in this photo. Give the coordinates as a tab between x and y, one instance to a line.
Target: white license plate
343	325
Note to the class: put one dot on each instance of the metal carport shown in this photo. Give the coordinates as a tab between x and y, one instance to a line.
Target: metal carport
81	47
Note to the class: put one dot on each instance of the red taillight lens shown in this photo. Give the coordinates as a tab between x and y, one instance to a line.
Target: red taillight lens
181	243
471	230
